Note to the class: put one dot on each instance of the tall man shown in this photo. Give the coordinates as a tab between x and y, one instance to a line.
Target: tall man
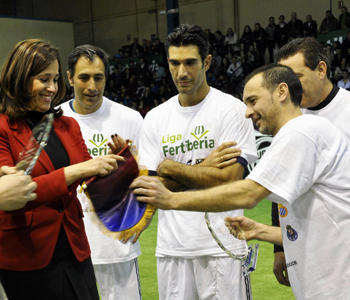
115	263
309	61
176	137
305	169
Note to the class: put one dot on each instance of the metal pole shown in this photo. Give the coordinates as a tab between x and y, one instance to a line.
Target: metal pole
137	20
91	26
156	9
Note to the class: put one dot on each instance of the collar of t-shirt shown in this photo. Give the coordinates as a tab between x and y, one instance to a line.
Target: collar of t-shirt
328	100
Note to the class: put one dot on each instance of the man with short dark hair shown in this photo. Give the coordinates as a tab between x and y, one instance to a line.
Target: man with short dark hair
305	170
329	23
310	27
295	27
310	62
344	18
179	139
115	263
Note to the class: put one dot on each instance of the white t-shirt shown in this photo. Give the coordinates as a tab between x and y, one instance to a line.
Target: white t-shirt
188	135
337	111
307	170
97	128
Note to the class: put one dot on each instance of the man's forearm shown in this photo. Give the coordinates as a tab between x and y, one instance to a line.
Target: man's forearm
200	177
172	184
236	195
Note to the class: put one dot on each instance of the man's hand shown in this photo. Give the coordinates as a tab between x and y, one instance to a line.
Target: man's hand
16	190
223	156
242	227
280	268
151	190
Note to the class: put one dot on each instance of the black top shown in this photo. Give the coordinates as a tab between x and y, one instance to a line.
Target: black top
54	148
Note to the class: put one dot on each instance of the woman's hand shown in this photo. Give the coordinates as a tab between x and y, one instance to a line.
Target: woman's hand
100	166
117	144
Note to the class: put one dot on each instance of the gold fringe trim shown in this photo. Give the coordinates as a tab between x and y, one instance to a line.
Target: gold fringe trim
128	233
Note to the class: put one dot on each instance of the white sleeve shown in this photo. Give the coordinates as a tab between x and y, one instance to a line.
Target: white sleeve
138	127
235	127
290	166
148	150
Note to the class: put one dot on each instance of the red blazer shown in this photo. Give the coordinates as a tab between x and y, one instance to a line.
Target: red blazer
28	236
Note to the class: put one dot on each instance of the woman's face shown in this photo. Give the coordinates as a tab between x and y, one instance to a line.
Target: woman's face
247	29
43	87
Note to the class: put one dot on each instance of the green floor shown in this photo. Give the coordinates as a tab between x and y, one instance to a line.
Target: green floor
264	284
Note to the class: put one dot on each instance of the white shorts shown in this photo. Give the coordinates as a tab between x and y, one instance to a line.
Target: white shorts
119	280
203	278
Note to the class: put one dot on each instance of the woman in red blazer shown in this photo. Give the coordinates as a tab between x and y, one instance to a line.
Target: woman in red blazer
44	252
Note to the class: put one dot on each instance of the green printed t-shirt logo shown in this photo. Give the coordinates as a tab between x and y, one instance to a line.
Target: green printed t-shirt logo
201	142
98	145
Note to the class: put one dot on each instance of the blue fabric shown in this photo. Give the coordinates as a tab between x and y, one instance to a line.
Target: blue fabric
115	205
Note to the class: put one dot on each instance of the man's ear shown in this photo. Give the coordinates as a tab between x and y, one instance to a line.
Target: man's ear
282	91
207	62
70	79
322	69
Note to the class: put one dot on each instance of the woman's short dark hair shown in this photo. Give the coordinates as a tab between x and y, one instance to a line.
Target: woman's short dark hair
27	59
186	35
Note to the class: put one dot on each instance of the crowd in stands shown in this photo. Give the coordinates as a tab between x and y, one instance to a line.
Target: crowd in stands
142	86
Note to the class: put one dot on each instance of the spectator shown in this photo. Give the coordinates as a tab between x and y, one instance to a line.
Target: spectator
160	72
259	37
148	97
344	83
145	48
217	57
344	18
310	27
219	43
329	23
295	27
247	38
330	52
125	76
222	82
210	77
150	47
211	38
158	47
270	33
135	45
120	54
116	76
235	70
339	55
143	67
281	32
231	42
132	67
214	67
224	66
346	42
338	73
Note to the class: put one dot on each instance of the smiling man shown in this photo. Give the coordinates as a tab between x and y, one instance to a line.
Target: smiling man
176	137
309	61
115	263
305	170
